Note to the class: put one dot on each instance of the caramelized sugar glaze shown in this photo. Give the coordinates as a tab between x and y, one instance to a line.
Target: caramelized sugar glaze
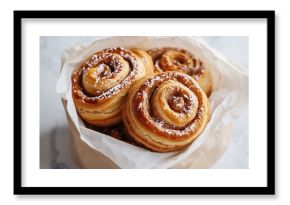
175	59
166	111
100	85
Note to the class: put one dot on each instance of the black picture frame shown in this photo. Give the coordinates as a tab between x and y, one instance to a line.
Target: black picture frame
268	190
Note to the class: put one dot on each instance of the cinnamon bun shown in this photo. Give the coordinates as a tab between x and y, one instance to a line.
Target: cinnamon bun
175	59
100	85
166	111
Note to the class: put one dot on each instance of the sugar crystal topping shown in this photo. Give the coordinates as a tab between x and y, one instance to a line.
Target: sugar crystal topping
108	57
158	124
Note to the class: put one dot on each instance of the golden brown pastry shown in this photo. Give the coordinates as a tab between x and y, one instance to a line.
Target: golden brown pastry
175	59
100	85
166	111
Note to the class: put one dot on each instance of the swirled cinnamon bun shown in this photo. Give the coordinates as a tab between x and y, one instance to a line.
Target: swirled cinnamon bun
175	59
100	85
166	111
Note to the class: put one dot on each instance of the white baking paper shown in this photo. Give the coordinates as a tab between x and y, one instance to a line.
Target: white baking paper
228	99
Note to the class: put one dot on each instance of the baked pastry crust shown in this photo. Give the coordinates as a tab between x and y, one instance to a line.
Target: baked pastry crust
101	84
176	59
166	111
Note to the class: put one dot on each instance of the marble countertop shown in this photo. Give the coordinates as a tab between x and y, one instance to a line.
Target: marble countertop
55	146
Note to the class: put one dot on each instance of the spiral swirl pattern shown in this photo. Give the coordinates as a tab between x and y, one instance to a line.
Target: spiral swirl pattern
175	59
166	112
100	85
